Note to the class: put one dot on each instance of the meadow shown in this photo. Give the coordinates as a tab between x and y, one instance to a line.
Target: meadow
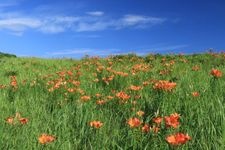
154	102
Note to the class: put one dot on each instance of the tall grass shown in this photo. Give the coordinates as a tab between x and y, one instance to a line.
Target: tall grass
61	111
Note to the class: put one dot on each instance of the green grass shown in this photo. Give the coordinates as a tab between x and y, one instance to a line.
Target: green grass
64	115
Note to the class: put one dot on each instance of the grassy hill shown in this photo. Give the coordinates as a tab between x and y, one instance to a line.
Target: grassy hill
118	102
6	55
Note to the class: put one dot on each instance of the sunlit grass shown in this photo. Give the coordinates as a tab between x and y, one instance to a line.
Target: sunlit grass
90	103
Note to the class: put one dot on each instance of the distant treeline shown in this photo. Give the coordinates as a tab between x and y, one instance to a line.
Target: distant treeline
6	55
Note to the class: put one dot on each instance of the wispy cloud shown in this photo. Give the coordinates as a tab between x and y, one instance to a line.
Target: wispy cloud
91	26
70	52
168	48
83	51
95	13
52	29
131	20
19	24
114	51
89	22
57	24
126	21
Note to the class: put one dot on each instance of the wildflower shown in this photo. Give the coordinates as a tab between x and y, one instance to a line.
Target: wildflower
184	60
110	63
178	139
145	83
163	60
71	90
2	86
17	118
137	97
135	88
155	129
134	103
164	85
195	68
195	94
95	74
98	95
96	80
123	96
134	122
96	124
76	83
44	138
10	120
100	68
140	68
85	98
51	89
61	73
82	92
70	73
216	73
172	120
23	120
109	97
100	102
108	79
122	74
140	113
157	120
13	82
172	62
164	72
145	128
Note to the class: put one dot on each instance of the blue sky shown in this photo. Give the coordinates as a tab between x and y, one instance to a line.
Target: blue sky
72	28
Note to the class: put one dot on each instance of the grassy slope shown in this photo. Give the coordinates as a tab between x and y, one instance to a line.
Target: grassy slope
68	118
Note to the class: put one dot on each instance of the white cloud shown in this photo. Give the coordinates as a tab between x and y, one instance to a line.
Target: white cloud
79	52
138	20
168	48
95	13
57	24
52	29
18	22
95	26
84	51
70	52
62	19
54	24
134	19
126	21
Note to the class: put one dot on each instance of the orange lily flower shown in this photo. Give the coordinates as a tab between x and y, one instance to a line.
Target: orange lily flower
157	120
145	128
195	94
96	124
134	122
164	85
172	120
140	113
44	138
178	139
216	73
